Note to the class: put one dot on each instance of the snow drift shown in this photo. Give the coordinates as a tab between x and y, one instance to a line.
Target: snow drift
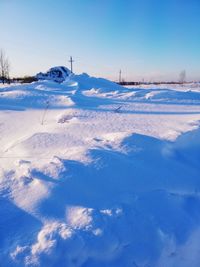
94	174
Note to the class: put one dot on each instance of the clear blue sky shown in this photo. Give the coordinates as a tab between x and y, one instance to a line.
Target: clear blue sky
150	39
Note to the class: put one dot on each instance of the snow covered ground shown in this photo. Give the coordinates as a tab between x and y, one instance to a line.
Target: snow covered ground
93	174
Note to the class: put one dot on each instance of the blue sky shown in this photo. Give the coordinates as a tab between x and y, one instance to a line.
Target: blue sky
147	39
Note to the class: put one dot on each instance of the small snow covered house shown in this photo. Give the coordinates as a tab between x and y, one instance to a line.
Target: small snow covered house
57	74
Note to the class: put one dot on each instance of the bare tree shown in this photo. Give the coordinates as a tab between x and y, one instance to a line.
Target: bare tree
182	76
4	67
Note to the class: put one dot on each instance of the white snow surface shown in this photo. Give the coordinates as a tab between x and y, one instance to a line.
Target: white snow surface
94	174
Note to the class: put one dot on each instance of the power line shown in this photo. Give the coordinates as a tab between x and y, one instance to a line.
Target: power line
120	76
71	62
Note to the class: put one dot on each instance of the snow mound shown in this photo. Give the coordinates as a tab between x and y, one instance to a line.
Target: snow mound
57	74
113	211
86	82
46	93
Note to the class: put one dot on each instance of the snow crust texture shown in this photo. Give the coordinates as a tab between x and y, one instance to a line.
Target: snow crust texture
94	174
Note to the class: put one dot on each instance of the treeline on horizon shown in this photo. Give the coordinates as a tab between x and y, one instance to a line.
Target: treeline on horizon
30	79
161	82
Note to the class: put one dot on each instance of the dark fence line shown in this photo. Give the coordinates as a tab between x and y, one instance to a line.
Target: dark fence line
157	83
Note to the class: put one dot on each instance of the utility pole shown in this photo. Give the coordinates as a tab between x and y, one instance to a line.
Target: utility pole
71	61
120	76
